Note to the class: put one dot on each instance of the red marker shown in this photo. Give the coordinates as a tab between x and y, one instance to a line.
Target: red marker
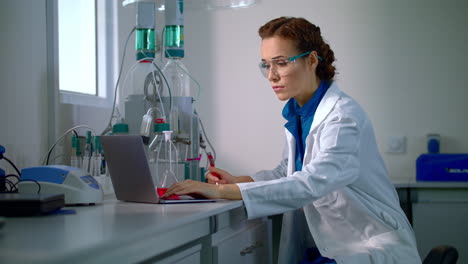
211	160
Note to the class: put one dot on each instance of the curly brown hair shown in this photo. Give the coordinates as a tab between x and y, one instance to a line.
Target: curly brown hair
307	37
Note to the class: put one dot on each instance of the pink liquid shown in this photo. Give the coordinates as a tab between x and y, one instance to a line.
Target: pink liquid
162	191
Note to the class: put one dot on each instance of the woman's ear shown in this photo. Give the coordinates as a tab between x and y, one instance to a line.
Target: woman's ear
312	60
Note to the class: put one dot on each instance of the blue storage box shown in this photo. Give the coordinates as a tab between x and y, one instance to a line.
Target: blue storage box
442	167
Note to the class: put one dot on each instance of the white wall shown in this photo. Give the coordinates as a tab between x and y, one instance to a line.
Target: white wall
23	81
404	61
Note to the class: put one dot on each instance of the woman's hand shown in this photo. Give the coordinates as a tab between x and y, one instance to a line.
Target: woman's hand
227	189
201	189
194	189
220	176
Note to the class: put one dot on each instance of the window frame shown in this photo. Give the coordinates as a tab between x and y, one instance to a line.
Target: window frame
106	51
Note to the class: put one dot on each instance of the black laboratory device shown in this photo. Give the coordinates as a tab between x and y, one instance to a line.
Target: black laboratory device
2	151
19	204
2	172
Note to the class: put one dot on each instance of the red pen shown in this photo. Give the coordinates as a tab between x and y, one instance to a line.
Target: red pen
211	160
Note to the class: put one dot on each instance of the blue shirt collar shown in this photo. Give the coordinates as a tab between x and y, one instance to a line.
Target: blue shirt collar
300	120
292	109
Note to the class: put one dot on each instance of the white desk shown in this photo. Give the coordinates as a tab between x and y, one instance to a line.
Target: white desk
431	184
112	232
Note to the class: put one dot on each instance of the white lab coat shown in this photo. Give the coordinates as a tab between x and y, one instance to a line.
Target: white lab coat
350	205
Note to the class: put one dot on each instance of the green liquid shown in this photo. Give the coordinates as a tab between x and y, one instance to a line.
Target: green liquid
145	41
174	36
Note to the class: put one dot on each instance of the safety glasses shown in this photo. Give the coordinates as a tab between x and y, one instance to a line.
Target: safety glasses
281	67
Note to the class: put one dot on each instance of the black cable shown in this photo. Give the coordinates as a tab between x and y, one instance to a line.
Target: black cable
38	185
56	157
168	89
12	164
48	155
109	126
13	175
50	151
12	186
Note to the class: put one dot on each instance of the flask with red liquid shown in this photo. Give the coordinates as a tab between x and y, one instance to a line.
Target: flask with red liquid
153	148
166	163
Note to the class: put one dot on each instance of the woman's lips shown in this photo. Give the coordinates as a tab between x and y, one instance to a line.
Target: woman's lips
278	88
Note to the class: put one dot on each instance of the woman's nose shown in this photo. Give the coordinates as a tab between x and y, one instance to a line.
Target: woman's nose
273	75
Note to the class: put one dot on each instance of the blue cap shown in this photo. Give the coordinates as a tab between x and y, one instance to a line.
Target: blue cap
147	54
2	150
174	53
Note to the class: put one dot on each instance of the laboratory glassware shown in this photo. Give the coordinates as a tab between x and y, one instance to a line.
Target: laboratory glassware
95	165
76	159
166	163
175	71
178	77
141	81
87	153
174	29
156	141
73	157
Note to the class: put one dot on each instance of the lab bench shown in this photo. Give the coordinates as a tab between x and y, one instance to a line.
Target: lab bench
123	232
438	212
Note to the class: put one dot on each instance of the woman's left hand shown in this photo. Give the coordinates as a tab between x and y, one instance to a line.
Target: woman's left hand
194	189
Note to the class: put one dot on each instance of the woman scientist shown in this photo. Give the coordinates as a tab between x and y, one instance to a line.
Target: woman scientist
332	170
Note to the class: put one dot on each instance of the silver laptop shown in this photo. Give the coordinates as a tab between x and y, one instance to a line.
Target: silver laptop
130	173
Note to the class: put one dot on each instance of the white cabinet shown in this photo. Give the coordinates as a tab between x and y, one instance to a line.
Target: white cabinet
438	213
248	242
191	255
231	239
440	217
